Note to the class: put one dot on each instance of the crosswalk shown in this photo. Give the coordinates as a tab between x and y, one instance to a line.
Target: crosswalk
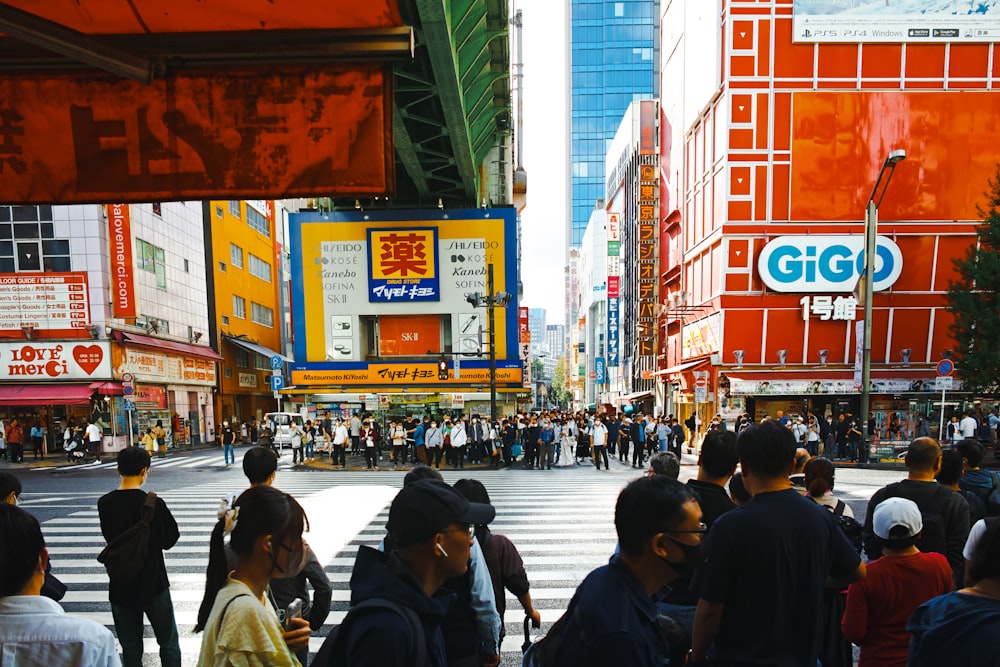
199	459
561	521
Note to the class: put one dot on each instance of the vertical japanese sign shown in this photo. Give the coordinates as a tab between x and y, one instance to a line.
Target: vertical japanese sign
599	371
614	235
613	324
614	288
402	265
648	300
122	266
524	331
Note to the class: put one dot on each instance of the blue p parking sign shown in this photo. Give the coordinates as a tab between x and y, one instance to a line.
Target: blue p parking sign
276	362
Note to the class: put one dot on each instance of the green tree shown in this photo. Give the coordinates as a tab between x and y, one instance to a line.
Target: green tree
537	370
559	393
973	300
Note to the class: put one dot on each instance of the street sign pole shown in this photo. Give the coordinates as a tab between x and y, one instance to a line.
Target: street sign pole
945	368
941	424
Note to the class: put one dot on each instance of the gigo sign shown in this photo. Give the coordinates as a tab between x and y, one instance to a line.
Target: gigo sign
826	263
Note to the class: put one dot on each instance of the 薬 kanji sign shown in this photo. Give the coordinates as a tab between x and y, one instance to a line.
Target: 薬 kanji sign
402	265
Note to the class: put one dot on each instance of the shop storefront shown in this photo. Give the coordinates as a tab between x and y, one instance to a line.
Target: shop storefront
245	388
56	384
173	385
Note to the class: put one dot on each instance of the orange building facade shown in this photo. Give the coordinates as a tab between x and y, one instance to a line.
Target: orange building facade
769	141
245	255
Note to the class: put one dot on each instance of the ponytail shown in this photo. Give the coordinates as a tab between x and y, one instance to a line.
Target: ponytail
215	575
819	473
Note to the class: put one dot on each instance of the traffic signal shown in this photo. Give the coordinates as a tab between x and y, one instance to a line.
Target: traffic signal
442	369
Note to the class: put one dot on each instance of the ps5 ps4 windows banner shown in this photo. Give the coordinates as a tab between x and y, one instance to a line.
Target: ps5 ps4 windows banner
379	297
896	21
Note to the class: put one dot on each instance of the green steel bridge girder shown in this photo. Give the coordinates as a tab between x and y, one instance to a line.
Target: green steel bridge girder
452	102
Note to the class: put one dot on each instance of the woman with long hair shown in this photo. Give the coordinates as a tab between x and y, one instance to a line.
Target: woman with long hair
265	529
819	475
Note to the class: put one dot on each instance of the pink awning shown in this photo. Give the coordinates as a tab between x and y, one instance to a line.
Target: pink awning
162	345
46	394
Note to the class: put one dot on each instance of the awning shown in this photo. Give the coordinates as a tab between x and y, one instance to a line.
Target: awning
108	388
628	398
161	345
48	394
266	352
679	367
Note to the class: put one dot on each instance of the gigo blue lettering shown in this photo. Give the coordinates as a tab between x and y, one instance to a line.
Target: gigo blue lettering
826	263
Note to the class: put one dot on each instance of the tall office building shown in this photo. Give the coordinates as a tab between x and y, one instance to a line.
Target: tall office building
614	56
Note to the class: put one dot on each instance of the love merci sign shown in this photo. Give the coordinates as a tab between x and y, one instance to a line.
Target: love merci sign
43	361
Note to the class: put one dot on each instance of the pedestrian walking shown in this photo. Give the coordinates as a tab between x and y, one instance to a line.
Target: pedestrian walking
599	436
148	590
397	433
37	439
161	439
369	438
355	427
309	441
15	441
297	439
228	444
3	440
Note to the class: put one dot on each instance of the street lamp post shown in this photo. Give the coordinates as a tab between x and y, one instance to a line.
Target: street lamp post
871	239
491	300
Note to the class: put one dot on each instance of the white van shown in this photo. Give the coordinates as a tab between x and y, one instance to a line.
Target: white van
282	425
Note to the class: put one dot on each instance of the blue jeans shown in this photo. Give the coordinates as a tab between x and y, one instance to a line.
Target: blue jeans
128	627
229	451
663	444
311	449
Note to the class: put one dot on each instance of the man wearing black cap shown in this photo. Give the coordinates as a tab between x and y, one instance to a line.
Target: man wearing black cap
432	526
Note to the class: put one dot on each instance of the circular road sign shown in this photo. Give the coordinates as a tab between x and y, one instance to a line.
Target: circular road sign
701	381
945	367
126	377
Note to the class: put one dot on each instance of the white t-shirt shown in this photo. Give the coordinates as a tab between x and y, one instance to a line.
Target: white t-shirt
967	427
94	433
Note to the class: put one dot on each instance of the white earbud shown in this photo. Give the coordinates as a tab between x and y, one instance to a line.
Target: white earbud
441	549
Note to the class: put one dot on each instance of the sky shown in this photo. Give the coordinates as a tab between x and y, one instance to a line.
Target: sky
543	240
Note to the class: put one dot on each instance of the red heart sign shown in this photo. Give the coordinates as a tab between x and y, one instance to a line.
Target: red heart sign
88	357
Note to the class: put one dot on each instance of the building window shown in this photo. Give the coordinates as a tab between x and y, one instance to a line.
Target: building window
260	268
258	221
261	363
239	307
225	320
222	267
151	258
242	358
234	207
187	267
261	314
157	208
229	372
153	324
236	256
218	211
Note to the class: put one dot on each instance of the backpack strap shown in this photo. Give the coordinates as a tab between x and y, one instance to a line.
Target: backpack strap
148	508
226	608
418	642
839	509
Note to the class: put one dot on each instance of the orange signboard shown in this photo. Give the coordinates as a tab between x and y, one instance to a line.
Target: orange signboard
417	373
122	279
409	336
251	134
840	139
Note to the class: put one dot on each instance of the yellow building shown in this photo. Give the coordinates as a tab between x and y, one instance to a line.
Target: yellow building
245	312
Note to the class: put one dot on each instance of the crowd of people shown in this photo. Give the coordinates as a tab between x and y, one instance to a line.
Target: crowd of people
540	440
761	566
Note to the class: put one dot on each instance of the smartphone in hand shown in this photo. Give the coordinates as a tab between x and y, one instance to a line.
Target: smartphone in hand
294	610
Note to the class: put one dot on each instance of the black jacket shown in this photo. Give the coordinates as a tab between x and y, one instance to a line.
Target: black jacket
283	591
380	638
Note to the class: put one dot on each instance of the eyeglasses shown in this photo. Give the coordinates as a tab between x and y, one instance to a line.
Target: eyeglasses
701	530
470	530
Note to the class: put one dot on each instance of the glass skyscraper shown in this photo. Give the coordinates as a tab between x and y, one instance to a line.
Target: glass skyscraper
614	56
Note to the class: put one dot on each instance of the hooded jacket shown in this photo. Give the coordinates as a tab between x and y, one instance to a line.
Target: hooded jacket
381	638
955	629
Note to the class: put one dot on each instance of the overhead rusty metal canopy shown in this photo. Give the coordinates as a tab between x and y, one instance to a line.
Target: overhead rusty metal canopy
112	100
453	99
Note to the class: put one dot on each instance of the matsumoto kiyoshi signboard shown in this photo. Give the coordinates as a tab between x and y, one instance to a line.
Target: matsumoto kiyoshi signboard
912	21
826	263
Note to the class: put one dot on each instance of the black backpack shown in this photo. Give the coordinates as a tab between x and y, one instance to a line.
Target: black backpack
848	524
126	554
330	654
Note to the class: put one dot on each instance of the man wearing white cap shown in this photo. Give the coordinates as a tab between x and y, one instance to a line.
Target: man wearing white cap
879	606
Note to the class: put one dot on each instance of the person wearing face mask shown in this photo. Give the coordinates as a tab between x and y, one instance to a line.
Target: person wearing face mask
432	528
148	592
769	561
612	618
265	533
